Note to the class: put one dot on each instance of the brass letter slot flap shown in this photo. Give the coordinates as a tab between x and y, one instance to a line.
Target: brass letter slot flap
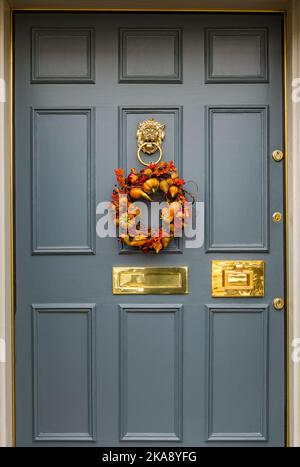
237	278
150	280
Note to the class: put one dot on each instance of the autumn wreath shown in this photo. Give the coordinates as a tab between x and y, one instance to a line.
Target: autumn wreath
161	177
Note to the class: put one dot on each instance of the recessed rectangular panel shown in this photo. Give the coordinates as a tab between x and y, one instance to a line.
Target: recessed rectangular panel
129	118
238	278
63	181
63	55
151	372
150	280
236	55
237	373
63	372
149	55
237	179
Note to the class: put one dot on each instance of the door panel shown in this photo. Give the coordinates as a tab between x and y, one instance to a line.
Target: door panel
236	55
139	50
63	171
151	370
237	179
71	52
238	345
129	119
61	333
93	368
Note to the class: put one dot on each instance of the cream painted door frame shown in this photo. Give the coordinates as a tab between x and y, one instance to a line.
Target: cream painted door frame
293	128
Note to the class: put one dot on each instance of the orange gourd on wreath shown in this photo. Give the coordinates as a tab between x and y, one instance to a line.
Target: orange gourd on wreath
161	177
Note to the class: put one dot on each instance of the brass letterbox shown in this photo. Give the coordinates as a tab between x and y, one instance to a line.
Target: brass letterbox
150	280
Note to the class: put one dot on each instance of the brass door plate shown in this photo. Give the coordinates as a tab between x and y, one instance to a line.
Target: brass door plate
238	278
150	280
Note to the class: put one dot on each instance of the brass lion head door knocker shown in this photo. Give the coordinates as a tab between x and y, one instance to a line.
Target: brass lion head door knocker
150	136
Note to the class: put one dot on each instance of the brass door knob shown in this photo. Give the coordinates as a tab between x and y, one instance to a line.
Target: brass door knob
278	303
277	217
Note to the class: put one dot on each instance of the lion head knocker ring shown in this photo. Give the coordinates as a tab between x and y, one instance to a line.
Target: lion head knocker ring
150	136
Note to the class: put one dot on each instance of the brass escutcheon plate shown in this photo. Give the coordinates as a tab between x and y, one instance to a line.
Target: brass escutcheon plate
238	278
150	280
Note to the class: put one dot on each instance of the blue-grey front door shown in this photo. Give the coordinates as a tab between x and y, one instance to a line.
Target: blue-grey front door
94	368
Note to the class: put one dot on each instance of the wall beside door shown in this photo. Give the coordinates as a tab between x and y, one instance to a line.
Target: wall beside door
293	142
293	166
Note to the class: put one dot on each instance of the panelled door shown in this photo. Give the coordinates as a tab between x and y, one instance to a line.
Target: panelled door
201	369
